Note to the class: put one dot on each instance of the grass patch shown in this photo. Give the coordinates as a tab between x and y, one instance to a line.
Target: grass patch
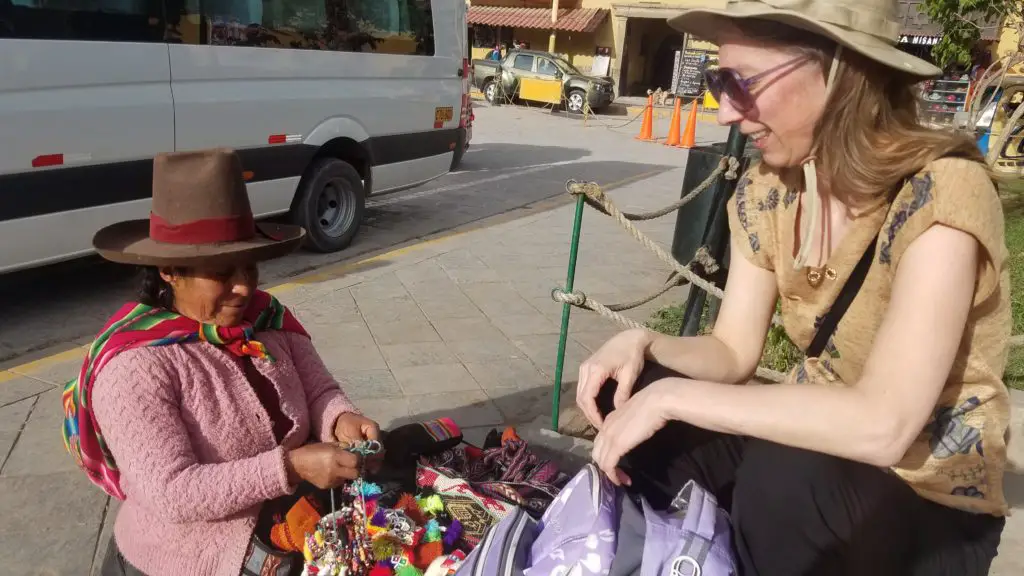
779	352
1013	209
667	320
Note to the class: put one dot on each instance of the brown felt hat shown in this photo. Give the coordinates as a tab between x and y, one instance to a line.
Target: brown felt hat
200	217
868	27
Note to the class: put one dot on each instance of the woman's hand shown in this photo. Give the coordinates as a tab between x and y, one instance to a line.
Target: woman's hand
324	465
630	425
350	428
621	358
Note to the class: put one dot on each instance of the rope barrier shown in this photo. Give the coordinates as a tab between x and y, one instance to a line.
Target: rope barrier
592	194
727	166
590	190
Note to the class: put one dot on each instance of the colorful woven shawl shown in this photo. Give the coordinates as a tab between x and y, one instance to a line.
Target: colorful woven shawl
135	326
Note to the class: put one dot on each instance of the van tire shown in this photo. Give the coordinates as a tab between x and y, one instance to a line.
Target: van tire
457	155
330	204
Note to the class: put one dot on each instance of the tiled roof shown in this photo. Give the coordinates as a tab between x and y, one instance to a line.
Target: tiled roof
569	19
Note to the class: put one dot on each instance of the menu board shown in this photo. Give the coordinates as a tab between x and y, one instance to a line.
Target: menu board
688	73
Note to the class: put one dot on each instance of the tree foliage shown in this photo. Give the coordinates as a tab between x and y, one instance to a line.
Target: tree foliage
961	22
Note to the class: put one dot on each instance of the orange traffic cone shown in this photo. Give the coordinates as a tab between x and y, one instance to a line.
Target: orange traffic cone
690	134
646	126
673	128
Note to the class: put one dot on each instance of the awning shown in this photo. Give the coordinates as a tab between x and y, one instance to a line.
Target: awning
569	19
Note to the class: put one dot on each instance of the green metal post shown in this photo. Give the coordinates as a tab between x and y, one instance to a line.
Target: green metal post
566	309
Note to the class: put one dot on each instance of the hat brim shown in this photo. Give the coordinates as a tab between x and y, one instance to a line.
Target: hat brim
705	22
129	243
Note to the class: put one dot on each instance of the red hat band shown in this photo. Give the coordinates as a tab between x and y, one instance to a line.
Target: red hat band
207	231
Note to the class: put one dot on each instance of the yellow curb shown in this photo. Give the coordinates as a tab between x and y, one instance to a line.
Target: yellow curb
23	370
328	273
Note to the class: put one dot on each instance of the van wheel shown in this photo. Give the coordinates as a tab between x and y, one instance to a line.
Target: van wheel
457	155
329	204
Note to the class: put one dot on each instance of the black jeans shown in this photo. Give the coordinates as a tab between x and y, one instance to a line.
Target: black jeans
802	513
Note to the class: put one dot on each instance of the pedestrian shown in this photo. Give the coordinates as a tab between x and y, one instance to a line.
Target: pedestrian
204	406
884	451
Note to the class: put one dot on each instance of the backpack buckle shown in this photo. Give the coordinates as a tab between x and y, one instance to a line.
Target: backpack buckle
685	566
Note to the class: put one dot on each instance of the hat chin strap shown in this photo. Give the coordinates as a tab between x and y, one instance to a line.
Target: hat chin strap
811	181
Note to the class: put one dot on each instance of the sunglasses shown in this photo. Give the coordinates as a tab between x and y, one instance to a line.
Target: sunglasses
737	88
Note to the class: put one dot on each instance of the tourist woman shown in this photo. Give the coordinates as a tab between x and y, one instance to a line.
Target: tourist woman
882	242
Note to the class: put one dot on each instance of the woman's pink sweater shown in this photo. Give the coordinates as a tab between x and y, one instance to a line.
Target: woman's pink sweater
196	449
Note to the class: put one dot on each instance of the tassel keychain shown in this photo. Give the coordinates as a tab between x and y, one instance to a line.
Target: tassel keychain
341	545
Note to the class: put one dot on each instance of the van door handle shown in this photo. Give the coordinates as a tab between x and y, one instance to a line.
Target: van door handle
460	73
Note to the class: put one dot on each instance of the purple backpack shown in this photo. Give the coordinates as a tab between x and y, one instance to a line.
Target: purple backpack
594	529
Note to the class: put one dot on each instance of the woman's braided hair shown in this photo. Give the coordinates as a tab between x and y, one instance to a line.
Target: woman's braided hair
154	290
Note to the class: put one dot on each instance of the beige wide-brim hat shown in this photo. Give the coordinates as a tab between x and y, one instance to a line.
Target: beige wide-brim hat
868	27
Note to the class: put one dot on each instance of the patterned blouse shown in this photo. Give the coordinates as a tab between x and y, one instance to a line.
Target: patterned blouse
959	457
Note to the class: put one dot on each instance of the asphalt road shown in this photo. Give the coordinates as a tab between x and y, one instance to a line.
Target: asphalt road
518	162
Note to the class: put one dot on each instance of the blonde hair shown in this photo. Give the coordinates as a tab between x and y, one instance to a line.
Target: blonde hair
869	138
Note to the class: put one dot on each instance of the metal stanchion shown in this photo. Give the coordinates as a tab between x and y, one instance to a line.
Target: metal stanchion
709	211
570	277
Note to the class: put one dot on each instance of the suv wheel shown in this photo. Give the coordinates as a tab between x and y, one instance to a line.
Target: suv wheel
575	101
491	92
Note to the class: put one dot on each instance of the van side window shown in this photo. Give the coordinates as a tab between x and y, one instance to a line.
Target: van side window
383	26
96	20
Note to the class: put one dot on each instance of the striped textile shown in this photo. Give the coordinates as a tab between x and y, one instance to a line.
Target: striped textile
135	326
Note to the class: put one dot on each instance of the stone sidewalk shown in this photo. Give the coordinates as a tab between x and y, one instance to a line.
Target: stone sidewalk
462	326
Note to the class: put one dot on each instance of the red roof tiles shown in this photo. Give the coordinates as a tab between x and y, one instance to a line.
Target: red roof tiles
569	19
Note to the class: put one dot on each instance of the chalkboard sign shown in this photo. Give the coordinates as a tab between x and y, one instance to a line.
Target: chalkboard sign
688	79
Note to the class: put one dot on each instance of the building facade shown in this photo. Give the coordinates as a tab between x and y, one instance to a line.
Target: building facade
632	43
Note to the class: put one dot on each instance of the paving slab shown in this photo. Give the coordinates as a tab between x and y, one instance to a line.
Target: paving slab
507	375
459	329
496	348
359	357
56	374
438	378
469	409
40	447
369	384
19	388
51	523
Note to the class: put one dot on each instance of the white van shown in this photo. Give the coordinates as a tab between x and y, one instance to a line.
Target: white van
326	102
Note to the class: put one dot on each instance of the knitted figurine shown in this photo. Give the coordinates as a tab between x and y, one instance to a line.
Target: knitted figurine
300	520
405	443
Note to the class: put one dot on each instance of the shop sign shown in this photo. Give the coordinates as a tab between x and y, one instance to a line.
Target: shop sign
919	40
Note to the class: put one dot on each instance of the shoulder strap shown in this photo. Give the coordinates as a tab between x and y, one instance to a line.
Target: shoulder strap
852	286
843	300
